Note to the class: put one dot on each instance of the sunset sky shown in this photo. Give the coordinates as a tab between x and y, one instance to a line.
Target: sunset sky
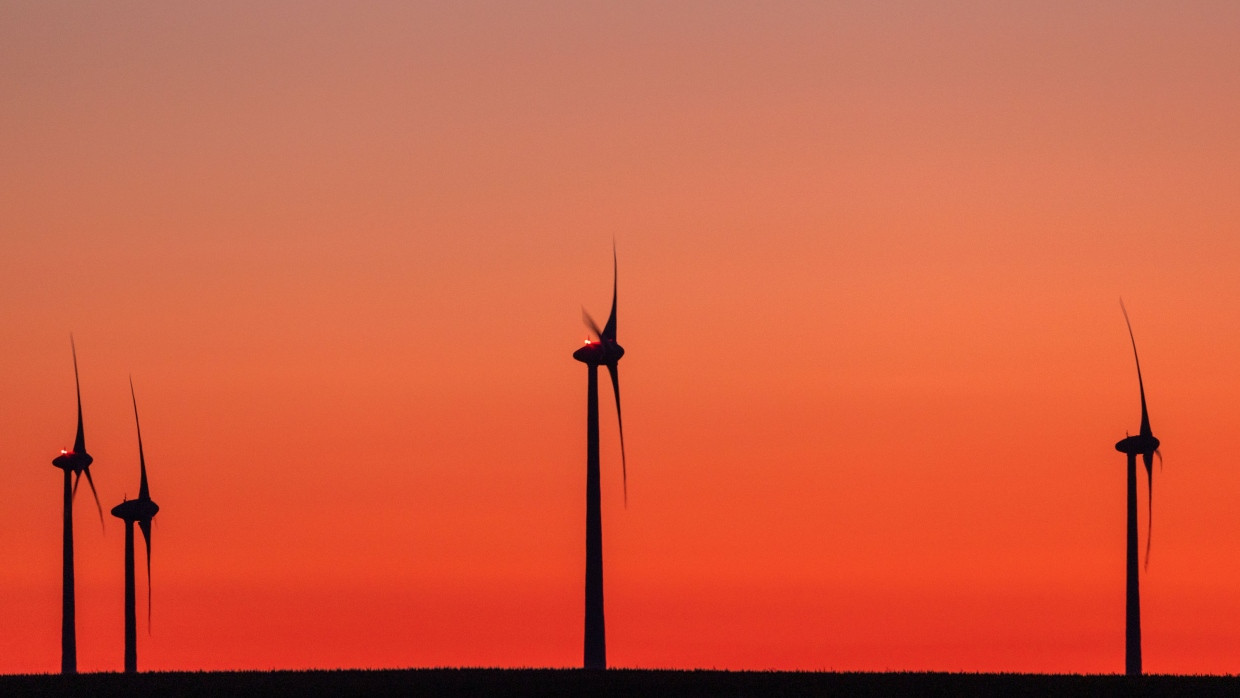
871	258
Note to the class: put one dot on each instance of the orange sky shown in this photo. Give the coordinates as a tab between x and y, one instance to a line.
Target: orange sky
871	257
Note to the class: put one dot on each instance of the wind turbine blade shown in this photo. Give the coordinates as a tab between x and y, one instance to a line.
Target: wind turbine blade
144	492
1149	479
1145	415
98	506
77	477
613	369
609	330
145	525
585	317
79	443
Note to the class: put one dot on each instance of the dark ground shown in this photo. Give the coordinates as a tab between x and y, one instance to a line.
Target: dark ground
616	682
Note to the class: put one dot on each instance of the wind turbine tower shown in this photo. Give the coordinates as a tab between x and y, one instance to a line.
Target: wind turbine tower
604	352
75	463
1145	445
141	511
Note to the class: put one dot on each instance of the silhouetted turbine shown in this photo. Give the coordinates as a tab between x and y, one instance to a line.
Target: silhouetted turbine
1145	445
75	462
140	510
604	352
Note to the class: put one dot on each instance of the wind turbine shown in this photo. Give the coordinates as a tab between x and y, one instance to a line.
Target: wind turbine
1144	444
76	463
604	352
141	510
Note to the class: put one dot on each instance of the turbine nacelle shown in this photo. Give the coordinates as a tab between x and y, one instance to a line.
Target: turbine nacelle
73	462
1138	445
136	510
599	353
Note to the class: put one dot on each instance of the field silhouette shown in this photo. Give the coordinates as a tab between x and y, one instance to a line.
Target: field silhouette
614	682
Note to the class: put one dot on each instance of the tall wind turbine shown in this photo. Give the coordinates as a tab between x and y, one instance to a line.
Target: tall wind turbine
141	510
604	352
75	463
1146	445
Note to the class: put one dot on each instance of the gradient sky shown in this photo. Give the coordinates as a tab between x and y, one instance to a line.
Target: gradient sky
871	256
